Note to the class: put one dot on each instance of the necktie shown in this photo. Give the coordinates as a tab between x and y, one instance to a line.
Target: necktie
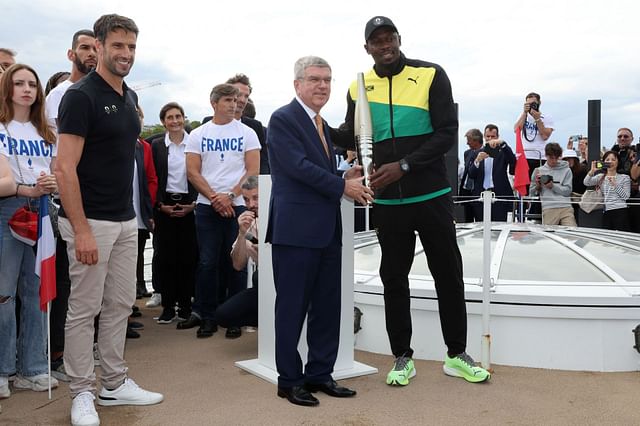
320	126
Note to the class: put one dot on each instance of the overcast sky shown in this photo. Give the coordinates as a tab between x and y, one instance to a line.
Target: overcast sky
493	51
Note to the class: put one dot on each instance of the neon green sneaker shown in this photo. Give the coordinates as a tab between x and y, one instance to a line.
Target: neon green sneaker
403	369
464	366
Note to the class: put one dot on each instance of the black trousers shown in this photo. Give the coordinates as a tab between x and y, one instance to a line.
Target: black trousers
59	305
499	209
617	219
469	214
143	236
434	222
177	257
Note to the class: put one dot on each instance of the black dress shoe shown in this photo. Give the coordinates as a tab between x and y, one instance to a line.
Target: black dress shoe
298	395
193	321
207	328
132	334
233	333
331	388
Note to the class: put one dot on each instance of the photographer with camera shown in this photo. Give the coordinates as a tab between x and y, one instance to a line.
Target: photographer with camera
489	173
536	128
553	183
625	150
242	309
616	189
627	158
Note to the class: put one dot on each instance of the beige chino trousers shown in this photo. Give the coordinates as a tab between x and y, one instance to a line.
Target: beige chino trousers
106	288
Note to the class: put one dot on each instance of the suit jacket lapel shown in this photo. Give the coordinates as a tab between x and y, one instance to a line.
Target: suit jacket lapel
312	132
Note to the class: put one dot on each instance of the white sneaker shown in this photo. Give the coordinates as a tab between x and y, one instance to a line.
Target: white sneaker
83	412
129	393
154	301
4	387
38	383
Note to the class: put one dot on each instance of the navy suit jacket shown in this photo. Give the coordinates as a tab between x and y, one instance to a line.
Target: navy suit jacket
504	161
304	209
469	157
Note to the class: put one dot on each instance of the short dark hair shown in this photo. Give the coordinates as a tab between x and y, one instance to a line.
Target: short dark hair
533	95
240	78
553	149
249	109
76	36
108	23
167	107
474	134
614	153
250	183
221	90
53	81
492	127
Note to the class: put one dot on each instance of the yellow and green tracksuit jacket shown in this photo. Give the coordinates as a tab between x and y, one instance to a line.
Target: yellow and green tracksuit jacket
414	118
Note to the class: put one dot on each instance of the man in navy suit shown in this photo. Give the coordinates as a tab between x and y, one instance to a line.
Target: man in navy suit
489	172
474	141
305	230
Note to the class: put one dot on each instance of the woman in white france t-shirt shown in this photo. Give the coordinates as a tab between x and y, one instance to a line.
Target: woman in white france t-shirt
27	142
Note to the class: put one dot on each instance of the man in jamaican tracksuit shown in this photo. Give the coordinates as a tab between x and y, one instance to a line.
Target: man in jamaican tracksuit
414	125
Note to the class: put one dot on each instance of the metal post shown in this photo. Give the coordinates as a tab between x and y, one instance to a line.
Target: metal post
593	130
486	279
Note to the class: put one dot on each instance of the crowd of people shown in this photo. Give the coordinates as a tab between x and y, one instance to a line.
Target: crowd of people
79	143
195	193
559	176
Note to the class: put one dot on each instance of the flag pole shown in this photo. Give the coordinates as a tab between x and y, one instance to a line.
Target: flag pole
49	344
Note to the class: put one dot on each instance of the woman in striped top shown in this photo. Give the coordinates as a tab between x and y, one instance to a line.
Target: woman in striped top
616	189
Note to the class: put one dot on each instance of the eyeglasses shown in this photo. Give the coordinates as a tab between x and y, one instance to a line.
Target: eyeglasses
624	136
317	80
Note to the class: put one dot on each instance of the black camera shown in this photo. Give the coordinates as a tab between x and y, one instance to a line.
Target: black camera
534	106
545	179
601	167
491	151
251	238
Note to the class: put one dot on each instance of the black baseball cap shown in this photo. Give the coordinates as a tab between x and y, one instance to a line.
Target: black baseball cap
375	23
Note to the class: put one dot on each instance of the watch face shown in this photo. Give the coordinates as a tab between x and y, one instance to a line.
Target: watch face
404	166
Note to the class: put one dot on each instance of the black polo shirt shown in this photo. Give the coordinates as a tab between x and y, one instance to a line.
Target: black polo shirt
110	127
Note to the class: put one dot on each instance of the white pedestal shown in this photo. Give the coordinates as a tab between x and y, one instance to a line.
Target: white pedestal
265	365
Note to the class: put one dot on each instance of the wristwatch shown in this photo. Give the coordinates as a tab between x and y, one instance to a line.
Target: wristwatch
231	196
404	166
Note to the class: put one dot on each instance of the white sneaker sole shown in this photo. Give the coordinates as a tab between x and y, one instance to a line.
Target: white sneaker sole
110	402
92	422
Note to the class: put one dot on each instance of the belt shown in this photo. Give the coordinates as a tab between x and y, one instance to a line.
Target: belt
488	189
173	197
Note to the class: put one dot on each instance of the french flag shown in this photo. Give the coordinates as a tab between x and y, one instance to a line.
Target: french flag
521	179
46	255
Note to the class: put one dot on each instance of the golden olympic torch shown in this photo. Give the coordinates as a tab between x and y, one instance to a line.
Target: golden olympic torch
363	130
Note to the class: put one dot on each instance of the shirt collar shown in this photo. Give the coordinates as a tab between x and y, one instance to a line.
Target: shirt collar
167	141
311	113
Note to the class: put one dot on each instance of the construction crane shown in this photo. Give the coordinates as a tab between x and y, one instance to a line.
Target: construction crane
146	85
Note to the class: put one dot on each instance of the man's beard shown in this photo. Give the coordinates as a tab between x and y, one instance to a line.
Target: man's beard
84	69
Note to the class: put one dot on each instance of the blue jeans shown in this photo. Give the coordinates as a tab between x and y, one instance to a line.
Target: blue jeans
17	276
215	272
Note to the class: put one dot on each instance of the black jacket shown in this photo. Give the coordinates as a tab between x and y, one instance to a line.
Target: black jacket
160	154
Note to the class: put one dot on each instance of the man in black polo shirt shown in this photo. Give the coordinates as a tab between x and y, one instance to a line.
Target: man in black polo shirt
99	126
